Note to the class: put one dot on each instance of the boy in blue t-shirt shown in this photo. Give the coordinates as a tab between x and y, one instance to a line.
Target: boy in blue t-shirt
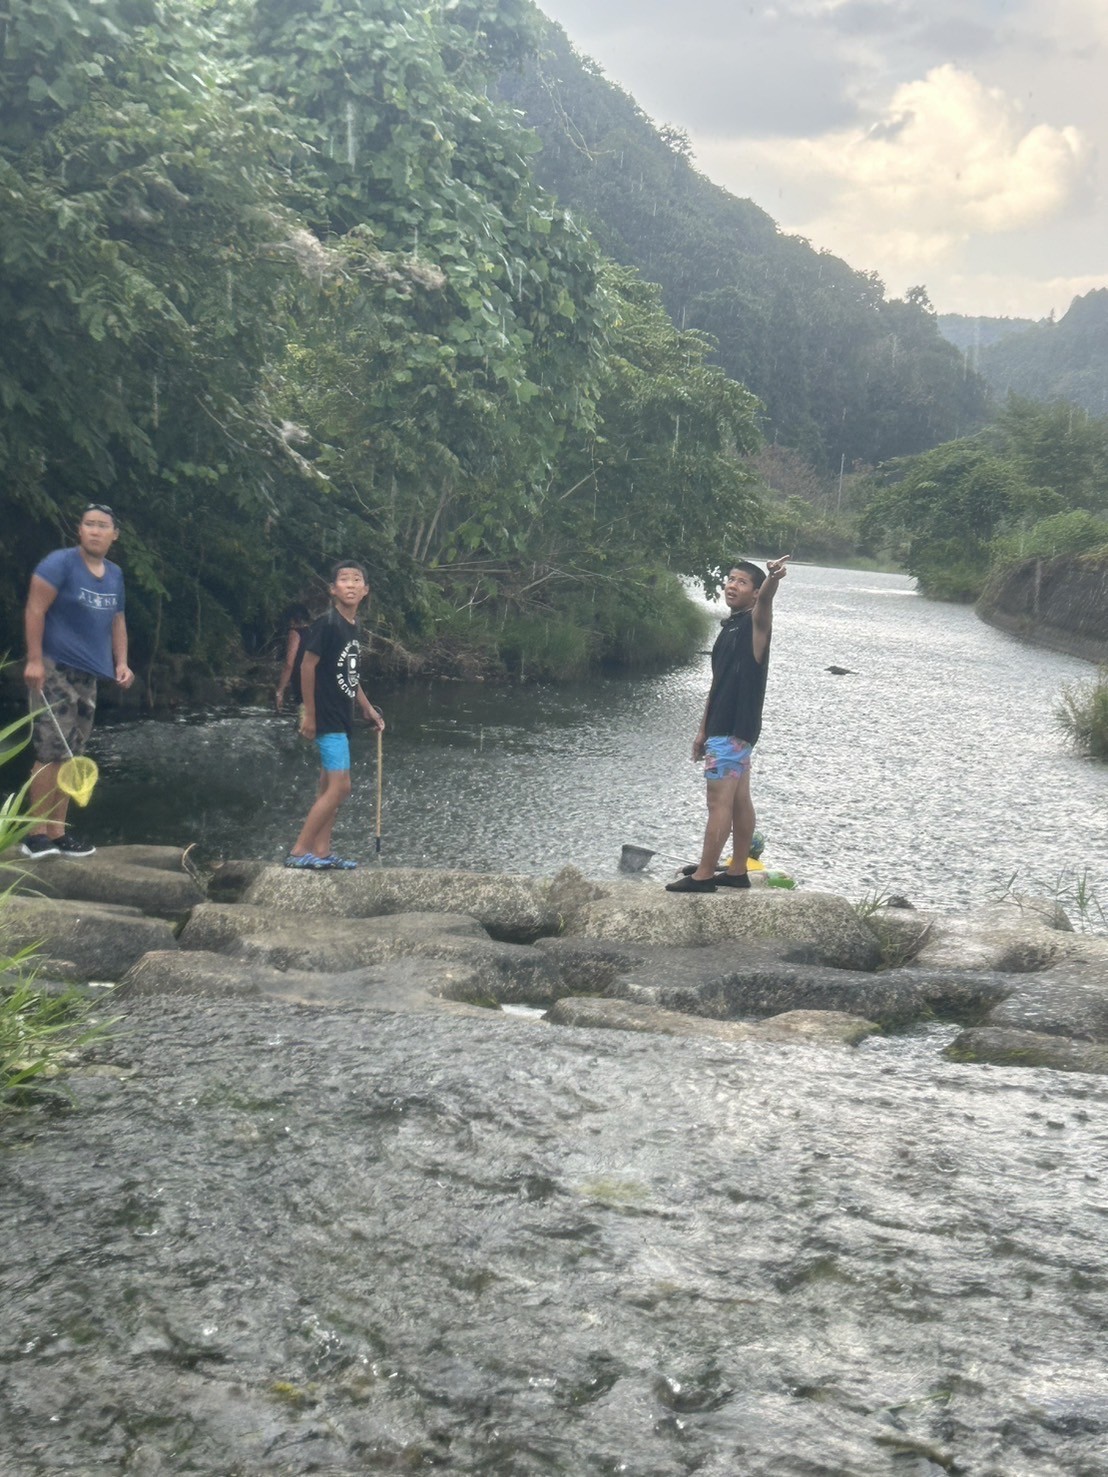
330	689
76	633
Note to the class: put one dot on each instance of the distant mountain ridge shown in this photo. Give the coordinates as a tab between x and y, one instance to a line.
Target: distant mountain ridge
972	335
1064	360
846	376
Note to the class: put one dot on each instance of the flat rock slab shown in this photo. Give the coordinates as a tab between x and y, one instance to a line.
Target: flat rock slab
759	978
1068	1000
957	994
401	985
142	877
79	941
816	927
590	966
514	909
720	983
163	858
824	1027
333	945
1016	936
1005	1048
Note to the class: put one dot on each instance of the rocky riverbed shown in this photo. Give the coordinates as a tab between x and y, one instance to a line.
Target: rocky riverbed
1028	988
409	1170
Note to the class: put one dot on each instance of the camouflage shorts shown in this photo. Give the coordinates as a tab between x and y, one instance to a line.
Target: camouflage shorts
72	696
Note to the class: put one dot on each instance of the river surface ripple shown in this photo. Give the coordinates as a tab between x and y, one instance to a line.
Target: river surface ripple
275	1240
934	768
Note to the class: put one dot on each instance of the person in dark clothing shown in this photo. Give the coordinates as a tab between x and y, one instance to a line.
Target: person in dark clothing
299	619
330	691
732	723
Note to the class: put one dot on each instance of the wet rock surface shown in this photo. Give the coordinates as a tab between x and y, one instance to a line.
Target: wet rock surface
418	984
829	1026
150	878
1011	937
79	941
514	909
330	944
819	928
275	1239
1010	1047
1069	1000
711	982
360	938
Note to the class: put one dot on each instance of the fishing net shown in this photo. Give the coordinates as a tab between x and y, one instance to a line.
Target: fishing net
77	778
78	774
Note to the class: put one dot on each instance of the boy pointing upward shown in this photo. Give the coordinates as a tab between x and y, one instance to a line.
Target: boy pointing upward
732	722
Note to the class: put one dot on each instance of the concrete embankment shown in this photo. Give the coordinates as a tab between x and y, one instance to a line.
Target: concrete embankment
1060	603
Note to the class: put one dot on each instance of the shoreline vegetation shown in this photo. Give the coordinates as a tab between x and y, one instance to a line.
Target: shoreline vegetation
648	625
41	1030
1082	714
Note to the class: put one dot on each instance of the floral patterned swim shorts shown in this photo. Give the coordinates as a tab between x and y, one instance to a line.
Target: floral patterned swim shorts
725	758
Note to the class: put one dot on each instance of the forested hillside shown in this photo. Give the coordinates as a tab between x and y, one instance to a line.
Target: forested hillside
279	285
1064	360
971	335
842	371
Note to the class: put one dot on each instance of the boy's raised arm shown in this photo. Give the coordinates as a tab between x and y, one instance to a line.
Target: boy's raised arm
763	603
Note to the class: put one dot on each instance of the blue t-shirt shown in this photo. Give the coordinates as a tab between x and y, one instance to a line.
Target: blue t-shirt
78	631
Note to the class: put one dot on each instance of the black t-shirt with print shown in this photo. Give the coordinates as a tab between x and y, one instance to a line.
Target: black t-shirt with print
738	682
334	640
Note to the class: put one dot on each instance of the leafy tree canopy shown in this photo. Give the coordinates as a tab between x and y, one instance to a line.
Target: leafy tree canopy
1033	481
280	283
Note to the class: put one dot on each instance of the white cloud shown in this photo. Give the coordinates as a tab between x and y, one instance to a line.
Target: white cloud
947	143
1014	295
949	159
1081	24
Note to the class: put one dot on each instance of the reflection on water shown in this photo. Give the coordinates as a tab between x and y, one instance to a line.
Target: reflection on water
932	768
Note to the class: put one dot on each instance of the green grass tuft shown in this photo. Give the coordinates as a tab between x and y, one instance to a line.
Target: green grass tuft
1082	714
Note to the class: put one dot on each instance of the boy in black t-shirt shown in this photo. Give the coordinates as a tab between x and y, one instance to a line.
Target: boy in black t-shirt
330	691
731	724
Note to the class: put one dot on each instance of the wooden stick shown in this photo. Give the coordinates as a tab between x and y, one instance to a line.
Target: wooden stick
380	749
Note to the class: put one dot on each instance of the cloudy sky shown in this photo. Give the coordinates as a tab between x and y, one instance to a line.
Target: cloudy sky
961	144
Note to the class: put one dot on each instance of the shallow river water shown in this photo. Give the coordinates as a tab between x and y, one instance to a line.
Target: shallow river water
268	1239
934	768
286	1241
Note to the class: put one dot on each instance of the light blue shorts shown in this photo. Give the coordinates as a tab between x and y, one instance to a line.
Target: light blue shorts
334	750
725	758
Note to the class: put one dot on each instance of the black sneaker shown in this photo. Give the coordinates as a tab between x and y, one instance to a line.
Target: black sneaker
40	845
69	845
692	884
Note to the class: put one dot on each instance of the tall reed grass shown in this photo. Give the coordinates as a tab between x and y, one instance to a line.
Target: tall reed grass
1082	714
